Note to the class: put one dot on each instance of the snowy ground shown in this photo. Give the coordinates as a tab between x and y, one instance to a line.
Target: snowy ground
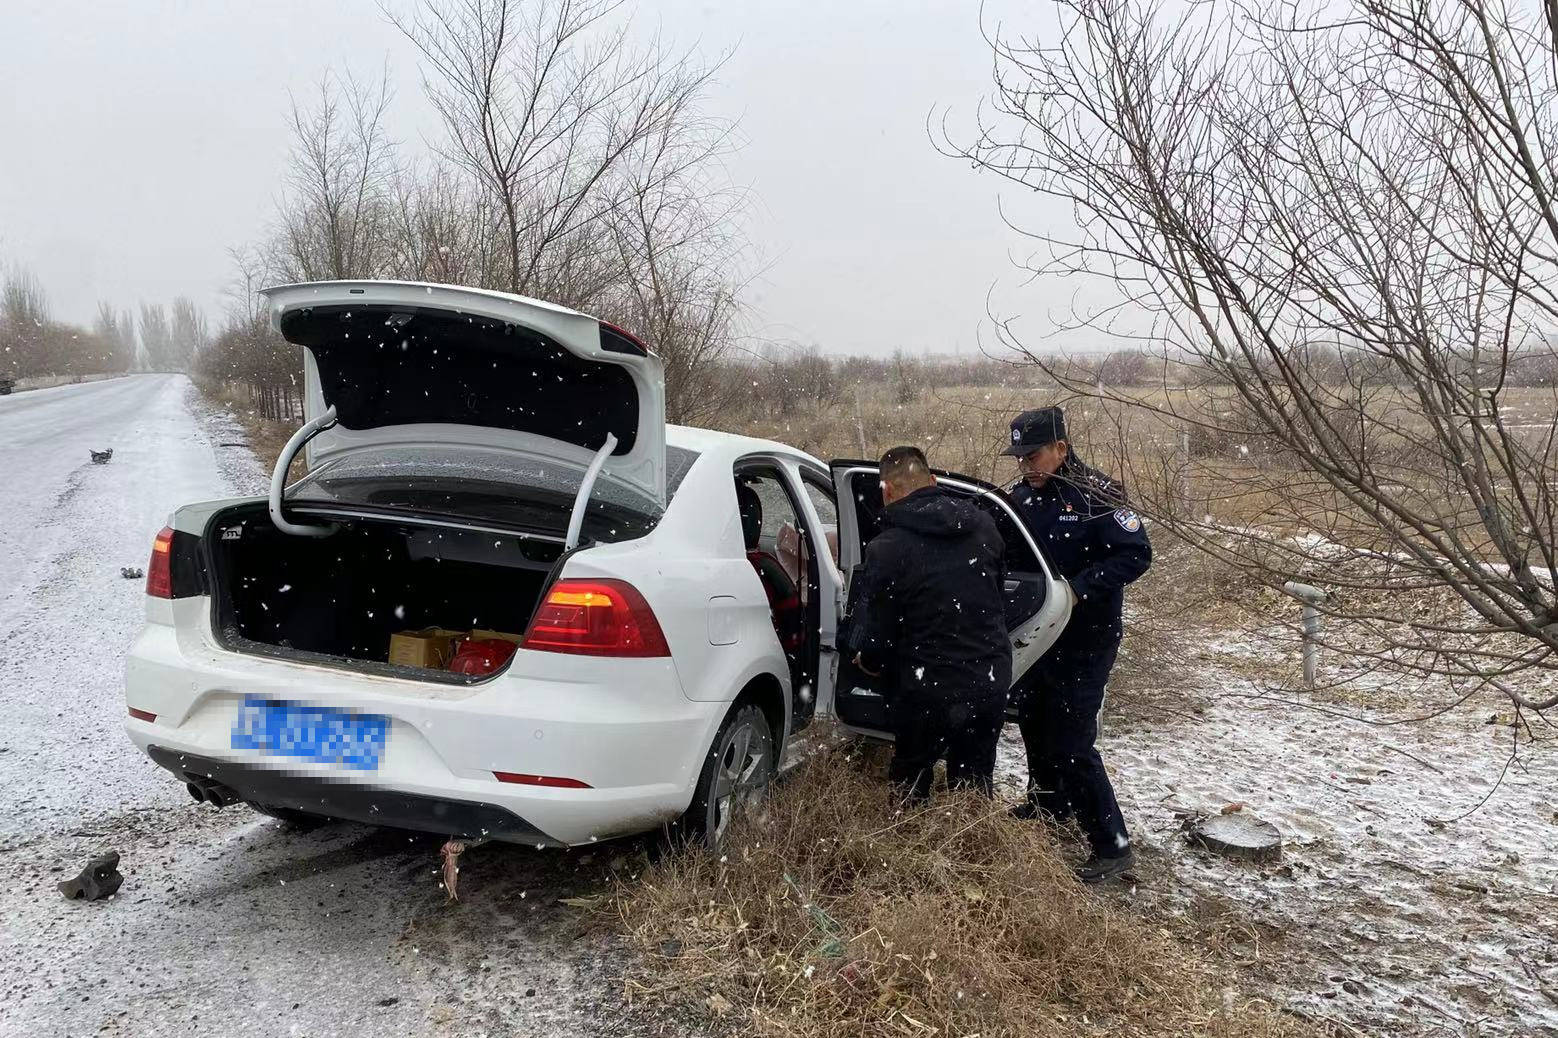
1383	915
1379	918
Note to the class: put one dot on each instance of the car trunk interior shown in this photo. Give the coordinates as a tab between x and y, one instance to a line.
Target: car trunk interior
340	597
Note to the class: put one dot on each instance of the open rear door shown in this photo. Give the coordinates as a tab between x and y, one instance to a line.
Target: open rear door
1036	607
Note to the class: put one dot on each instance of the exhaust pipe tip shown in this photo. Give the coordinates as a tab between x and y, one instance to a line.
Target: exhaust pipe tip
218	795
210	791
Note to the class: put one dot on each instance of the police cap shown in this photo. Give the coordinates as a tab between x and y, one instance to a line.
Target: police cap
1034	429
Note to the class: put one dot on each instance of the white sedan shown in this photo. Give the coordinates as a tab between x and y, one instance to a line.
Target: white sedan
663	600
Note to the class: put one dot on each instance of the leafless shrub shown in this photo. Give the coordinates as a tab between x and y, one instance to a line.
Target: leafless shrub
248	354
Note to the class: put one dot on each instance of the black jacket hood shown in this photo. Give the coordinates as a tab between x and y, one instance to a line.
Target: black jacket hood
932	513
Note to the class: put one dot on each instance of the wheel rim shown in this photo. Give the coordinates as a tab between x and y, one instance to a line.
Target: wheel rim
740	774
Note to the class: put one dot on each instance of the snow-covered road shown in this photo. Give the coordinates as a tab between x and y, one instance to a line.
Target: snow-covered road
67	616
228	923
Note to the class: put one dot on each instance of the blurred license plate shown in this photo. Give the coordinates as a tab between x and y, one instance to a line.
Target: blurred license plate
311	733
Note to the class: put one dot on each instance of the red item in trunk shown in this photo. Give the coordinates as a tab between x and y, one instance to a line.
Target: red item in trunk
481	655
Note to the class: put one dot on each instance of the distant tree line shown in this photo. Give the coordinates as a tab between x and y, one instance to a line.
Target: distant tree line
34	343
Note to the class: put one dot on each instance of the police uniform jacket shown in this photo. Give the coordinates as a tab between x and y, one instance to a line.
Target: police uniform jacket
1081	520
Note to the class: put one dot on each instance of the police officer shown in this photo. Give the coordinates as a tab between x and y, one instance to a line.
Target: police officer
1080	517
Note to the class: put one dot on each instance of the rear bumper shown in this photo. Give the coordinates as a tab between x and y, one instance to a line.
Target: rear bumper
354	801
623	727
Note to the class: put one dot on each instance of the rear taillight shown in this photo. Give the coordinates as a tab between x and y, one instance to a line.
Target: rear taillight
601	617
175	570
159	573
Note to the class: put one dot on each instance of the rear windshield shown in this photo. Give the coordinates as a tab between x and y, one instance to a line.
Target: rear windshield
487	486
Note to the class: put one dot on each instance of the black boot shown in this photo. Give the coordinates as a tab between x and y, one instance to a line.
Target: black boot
1037	807
1097	869
1028	811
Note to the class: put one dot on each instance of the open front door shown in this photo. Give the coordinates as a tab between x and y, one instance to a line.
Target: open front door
1036	607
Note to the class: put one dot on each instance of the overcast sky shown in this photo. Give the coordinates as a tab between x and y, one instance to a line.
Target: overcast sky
140	140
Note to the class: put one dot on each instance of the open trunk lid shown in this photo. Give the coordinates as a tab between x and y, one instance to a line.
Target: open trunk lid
408	364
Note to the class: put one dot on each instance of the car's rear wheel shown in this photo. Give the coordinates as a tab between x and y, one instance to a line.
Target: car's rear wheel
737	771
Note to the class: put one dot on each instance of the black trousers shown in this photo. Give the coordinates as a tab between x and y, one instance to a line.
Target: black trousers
1058	714
963	729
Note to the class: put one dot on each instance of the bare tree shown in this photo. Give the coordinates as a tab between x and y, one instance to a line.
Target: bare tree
444	230
188	332
24	321
115	332
1335	226
157	346
334	219
571	167
543	103
676	232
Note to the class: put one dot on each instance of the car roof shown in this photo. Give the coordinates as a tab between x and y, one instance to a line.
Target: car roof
729	445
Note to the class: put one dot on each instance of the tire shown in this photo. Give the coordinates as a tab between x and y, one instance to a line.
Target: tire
738	769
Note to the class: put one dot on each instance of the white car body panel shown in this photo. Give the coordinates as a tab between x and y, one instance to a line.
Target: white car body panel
623	726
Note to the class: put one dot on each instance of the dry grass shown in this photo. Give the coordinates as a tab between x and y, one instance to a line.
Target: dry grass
264	436
831	914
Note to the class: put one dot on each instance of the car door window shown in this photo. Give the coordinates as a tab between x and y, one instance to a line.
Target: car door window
779	547
778	526
1025	579
821	495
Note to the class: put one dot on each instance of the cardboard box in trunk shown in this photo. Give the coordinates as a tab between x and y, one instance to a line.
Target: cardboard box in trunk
478	634
429	647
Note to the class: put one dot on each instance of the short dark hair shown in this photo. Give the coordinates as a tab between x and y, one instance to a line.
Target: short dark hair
905	467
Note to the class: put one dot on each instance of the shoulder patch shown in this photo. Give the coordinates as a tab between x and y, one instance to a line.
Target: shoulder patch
1129	521
1103	492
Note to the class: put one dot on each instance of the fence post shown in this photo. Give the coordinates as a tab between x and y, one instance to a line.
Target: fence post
1311	597
860	427
1187	502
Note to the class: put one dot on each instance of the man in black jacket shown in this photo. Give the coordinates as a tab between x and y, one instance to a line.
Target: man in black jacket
1080	518
929	607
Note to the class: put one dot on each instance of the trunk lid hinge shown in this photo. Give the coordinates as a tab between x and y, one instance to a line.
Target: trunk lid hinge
278	478
581	500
